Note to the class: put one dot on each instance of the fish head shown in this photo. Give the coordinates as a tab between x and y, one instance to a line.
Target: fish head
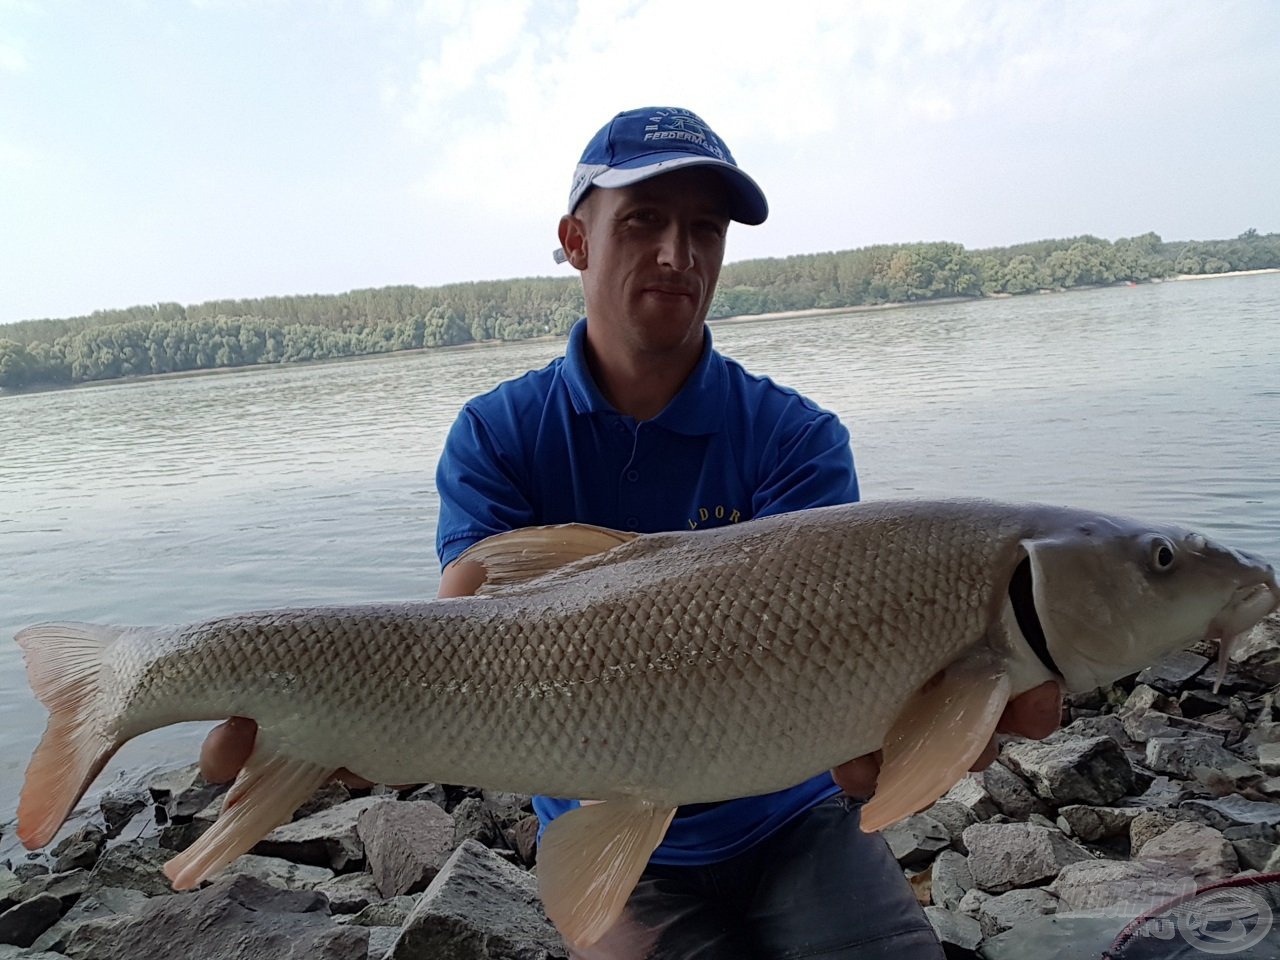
1114	596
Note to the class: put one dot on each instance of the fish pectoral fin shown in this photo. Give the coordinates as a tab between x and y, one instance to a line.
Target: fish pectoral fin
937	737
590	859
530	552
270	787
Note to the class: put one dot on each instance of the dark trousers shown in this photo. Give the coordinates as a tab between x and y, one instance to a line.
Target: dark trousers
818	888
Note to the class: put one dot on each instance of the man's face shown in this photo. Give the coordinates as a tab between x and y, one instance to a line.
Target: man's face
650	255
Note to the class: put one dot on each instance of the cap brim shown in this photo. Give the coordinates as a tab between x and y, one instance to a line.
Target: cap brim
749	204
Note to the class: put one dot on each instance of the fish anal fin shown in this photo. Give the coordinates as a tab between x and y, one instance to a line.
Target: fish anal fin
590	860
531	552
64	668
937	737
269	789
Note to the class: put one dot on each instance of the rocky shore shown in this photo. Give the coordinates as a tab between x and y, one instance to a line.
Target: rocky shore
1155	786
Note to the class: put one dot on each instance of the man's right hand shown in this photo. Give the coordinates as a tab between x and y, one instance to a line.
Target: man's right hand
228	746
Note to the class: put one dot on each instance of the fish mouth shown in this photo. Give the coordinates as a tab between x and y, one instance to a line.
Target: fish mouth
1023	600
1247	606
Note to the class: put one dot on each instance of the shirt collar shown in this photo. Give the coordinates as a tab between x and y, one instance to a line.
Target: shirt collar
696	410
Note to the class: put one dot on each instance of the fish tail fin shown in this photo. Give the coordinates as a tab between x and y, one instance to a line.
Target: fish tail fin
270	787
64	668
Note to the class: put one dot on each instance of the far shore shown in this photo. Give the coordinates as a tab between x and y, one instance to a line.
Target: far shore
740	318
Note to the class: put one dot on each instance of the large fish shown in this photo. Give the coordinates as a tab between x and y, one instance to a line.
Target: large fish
647	671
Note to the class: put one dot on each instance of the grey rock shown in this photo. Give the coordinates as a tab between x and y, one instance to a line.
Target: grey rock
1195	849
1017	906
325	839
1145	699
180	794
178	836
1074	935
1264	731
327	797
972	902
67	887
350	892
10	952
1174	672
434	792
473	820
478	906
955	931
23	923
951	879
137	866
385	913
29	869
381	940
1254	854
235	918
1196	757
1010	792
1258	653
280	873
106	902
1107	725
1092	824
1161	792
1064	771
10	884
163	787
915	840
1234	811
1149	824
120	808
523	839
1004	856
1196	703
973	796
79	851
1269	758
1137	884
508	808
406	843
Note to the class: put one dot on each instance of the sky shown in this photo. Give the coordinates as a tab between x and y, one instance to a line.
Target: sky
166	150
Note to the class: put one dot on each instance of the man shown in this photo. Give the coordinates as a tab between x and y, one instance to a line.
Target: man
643	426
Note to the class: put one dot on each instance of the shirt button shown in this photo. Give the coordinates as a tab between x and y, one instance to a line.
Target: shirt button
633	475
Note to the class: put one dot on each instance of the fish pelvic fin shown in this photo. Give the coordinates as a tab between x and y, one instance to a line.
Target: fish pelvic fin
521	555
937	737
64	668
590	860
266	793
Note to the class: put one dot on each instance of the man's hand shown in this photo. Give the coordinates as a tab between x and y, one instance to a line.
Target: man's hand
1034	714
228	746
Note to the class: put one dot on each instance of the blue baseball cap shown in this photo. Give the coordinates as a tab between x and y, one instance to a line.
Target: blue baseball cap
649	141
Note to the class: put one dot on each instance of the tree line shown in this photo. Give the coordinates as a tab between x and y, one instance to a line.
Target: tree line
171	338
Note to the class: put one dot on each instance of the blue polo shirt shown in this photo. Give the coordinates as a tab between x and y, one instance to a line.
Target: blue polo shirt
547	447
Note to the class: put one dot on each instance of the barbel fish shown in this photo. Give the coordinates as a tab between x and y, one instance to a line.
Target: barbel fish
647	671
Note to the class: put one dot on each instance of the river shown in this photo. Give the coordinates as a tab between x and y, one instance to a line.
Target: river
178	499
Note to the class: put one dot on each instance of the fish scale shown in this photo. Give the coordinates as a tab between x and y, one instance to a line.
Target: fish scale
650	671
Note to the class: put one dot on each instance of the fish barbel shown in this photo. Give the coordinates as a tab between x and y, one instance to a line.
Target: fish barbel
647	671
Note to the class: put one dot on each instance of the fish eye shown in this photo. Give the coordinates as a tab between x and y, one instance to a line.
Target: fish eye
1162	555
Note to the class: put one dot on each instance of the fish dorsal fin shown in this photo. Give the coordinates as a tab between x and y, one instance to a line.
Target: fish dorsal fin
590	859
937	737
530	552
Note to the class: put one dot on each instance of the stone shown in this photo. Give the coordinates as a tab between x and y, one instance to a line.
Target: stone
118	809
972	902
1196	758
1076	935
1065	771
67	887
951	879
972	795
506	807
1004	856
385	913
478	906
1257	654
1196	703
915	840
1234	811
1254	854
381	940
350	892
406	843
1145	699
1149	824
105	902
79	851
138	866
1092	824
1138	885
524	839
1014	907
955	931
1107	725
1197	850
29	868
280	873
178	836
329	795
473	820
22	923
1269	758
10	884
235	918
1174	672
328	838
1010	793
1161	792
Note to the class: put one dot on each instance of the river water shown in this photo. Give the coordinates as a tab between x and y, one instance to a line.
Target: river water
174	500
